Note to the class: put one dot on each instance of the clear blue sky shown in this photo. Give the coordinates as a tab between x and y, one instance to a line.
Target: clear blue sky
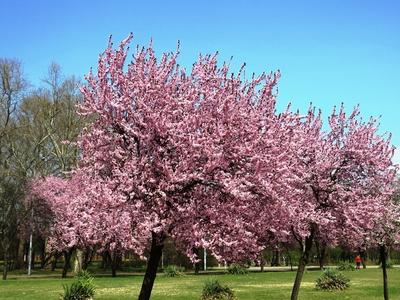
327	51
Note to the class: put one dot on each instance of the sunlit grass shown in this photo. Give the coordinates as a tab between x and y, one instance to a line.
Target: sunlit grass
365	285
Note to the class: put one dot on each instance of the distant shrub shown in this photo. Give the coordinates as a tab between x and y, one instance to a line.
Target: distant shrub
134	264
345	266
331	280
389	265
82	288
237	269
173	271
213	290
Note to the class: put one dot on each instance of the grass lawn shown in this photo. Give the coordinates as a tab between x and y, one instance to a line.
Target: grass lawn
365	284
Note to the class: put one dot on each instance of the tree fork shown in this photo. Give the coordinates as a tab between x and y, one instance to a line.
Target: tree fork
157	244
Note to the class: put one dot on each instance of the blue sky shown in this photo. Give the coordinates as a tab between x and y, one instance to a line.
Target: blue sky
328	51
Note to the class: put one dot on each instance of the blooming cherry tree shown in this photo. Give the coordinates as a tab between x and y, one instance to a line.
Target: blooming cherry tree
85	215
183	149
204	158
341	177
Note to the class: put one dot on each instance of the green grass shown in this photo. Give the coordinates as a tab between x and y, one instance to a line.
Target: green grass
365	285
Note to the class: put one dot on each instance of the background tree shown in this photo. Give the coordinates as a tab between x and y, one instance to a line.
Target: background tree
38	131
345	174
12	88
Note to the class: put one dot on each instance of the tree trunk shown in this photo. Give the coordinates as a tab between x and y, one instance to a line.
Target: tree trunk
30	254
78	261
204	259
5	266
322	257
276	258
20	254
56	255
306	249
43	258
67	262
157	244
321	251
262	261
33	260
87	258
383	254
114	263
196	264
104	259
113	270
289	258
363	255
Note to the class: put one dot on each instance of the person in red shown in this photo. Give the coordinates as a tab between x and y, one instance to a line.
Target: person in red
358	261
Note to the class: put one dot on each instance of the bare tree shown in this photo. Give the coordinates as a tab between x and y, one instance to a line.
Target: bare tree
12	88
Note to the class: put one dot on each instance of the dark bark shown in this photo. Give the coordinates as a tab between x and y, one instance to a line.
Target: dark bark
67	262
56	256
5	266
321	252
20	254
44	258
33	260
289	258
197	264
113	270
157	244
87	258
273	260
262	261
276	258
105	261
54	262
306	249
383	256
114	263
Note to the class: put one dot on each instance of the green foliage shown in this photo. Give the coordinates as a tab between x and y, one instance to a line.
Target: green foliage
236	269
81	289
213	290
173	271
331	280
389	264
345	266
84	276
